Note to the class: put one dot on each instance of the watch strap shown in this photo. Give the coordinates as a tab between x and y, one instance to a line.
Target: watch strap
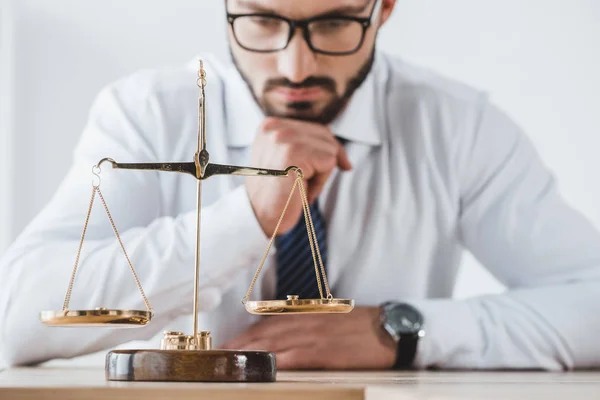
406	351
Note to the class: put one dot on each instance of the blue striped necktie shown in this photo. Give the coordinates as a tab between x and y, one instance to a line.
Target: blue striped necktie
295	264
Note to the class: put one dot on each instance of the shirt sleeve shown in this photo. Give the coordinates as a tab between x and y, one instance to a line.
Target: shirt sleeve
36	269
517	225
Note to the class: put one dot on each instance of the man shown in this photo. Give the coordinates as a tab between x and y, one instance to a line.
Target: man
404	171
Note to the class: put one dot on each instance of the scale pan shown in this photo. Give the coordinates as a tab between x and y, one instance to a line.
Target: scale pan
100	317
300	306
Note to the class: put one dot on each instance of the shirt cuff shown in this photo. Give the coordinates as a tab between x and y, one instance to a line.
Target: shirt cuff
453	337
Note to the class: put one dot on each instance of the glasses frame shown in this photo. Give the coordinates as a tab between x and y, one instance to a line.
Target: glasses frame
294	24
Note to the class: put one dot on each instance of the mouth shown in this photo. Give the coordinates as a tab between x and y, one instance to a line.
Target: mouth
297	95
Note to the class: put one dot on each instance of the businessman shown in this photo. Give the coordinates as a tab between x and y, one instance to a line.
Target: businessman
405	171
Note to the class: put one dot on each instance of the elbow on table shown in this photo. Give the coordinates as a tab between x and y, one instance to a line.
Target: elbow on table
24	340
19	348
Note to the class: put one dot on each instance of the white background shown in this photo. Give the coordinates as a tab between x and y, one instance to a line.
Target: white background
539	59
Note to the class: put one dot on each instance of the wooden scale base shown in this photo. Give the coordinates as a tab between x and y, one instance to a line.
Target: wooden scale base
191	366
183	358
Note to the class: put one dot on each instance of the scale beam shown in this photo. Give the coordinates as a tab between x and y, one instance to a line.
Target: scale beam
191	168
218	169
186	168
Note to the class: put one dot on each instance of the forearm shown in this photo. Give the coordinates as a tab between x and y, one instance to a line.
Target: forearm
534	328
37	269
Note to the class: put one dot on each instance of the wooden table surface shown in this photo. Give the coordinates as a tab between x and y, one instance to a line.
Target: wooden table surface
88	383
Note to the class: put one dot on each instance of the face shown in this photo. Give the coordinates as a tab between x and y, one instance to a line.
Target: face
297	82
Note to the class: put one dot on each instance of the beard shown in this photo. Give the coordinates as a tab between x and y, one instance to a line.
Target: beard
301	109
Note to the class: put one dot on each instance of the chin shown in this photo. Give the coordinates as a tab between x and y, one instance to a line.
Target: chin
303	111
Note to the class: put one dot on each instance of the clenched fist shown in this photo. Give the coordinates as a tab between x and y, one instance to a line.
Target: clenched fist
281	143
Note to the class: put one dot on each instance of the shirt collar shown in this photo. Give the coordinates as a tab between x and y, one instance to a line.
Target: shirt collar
357	123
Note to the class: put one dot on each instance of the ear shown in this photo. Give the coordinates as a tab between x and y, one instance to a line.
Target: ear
387	6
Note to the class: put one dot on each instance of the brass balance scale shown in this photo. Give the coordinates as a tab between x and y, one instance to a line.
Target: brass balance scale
191	357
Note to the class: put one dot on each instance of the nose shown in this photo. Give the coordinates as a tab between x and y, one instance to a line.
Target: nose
297	62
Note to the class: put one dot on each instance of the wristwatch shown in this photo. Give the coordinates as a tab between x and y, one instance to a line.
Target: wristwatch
404	323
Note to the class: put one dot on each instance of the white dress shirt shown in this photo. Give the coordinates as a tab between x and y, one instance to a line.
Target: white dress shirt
437	170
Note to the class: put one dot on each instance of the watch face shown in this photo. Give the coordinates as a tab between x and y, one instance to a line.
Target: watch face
404	319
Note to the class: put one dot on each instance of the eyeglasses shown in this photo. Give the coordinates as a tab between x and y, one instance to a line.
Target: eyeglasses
331	35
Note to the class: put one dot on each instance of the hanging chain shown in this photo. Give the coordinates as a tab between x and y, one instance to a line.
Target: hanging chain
312	240
309	228
314	244
87	220
137	280
264	257
96	189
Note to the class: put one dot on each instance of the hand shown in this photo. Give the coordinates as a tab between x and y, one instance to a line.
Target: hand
281	143
320	341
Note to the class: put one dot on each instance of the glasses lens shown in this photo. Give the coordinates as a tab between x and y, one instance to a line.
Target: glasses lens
261	33
336	35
